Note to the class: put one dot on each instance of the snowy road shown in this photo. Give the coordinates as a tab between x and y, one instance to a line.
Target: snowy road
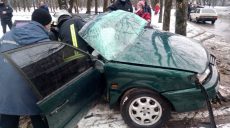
220	28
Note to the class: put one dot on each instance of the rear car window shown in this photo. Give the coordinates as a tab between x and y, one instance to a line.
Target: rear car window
208	11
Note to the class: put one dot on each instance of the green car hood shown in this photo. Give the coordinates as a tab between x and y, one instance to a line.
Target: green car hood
121	36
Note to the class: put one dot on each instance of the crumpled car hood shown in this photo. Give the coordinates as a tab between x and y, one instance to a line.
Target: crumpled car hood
167	50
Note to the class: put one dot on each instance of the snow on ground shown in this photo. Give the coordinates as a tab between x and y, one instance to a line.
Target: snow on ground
101	116
223	11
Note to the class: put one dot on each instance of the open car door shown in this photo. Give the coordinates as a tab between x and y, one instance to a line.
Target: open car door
64	79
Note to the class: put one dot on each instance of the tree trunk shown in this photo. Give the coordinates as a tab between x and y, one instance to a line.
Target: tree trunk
167	13
77	6
71	2
24	5
181	17
105	5
34	4
223	3
112	1
89	3
96	6
161	9
62	4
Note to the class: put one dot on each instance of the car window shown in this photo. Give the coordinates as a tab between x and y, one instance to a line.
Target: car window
208	11
198	11
50	66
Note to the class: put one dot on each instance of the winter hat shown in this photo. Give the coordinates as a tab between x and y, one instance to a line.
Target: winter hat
41	16
141	3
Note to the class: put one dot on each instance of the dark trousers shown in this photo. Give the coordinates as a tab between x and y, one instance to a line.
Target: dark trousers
4	23
12	121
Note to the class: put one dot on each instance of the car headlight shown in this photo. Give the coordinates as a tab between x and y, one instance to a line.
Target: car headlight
203	76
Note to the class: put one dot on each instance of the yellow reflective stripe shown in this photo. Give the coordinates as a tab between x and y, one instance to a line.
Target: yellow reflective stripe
73	35
75	56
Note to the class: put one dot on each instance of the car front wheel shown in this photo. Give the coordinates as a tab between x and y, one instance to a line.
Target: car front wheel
190	19
197	20
141	108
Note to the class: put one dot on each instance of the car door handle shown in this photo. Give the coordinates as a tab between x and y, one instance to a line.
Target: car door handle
56	110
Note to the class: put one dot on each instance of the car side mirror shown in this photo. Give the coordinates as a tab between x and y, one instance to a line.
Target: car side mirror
99	65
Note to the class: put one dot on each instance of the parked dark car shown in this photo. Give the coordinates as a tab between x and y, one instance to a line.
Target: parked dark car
148	72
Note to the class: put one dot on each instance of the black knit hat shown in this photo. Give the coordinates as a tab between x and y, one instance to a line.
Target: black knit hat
41	16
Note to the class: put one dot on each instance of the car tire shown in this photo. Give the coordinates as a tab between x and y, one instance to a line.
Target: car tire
142	108
190	19
213	22
197	21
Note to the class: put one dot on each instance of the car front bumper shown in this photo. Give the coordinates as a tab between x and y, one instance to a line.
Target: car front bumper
193	98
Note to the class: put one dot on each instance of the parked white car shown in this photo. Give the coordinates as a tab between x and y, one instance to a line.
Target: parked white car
203	14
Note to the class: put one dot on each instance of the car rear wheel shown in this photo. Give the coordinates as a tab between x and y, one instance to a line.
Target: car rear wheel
142	108
213	22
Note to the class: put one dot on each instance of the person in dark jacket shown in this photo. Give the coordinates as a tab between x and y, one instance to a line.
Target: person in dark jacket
68	28
44	6
16	97
147	8
5	15
125	5
189	9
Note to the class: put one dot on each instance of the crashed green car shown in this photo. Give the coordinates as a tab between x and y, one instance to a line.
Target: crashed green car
148	72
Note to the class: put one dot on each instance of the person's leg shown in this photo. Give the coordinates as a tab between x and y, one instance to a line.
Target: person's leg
10	24
39	121
3	26
9	121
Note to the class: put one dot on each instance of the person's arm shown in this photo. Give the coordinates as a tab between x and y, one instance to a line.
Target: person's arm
112	7
9	10
131	8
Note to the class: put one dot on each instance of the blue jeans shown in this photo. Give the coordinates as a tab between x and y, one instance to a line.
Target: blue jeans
12	121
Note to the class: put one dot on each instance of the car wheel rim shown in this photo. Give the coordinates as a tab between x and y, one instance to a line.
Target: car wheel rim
145	111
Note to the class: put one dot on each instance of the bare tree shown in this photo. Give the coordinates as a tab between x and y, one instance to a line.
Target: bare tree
96	6
105	5
161	9
167	12
88	6
223	2
77	7
181	17
71	2
62	4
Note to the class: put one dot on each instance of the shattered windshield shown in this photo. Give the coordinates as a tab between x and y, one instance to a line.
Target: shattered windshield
110	33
